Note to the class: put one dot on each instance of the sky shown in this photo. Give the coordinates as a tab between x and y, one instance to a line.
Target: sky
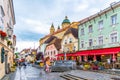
34	17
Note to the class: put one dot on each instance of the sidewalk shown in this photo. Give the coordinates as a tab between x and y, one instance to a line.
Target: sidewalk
90	75
9	76
107	71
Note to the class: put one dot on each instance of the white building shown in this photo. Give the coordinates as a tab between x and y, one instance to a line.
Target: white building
7	39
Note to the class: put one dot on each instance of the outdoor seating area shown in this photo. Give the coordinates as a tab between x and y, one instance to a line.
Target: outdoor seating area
98	65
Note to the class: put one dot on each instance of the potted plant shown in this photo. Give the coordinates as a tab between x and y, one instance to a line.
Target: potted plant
9	42
3	34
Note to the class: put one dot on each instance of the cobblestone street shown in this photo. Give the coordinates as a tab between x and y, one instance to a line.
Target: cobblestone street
32	73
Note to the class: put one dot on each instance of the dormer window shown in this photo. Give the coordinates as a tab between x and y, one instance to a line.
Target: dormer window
70	41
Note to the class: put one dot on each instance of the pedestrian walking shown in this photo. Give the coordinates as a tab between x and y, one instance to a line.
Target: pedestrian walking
47	64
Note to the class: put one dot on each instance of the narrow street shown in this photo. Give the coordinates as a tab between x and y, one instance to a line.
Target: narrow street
32	73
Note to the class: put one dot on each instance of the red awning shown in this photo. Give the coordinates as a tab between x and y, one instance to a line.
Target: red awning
103	51
61	54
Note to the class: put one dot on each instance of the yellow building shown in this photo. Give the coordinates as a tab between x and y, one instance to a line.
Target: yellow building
59	33
7	39
69	41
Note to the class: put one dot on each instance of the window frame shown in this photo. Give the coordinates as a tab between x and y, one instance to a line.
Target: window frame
90	44
100	39
82	31
82	44
114	19
112	35
99	25
90	28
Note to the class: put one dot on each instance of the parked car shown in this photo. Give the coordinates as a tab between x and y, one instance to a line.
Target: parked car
63	65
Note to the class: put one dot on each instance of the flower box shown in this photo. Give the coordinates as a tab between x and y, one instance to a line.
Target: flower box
3	34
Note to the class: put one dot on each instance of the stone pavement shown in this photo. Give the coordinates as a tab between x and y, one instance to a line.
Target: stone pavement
33	73
9	76
93	75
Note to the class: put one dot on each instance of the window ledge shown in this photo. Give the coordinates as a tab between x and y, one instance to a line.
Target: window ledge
114	25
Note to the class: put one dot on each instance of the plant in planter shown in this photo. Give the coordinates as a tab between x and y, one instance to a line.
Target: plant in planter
101	66
3	34
86	66
9	43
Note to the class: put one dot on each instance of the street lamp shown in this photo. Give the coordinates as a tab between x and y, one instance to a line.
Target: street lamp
64	51
10	32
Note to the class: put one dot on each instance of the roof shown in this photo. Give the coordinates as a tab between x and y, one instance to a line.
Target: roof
50	39
112	6
66	20
56	42
73	31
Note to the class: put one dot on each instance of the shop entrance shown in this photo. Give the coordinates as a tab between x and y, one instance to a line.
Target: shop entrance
98	58
90	58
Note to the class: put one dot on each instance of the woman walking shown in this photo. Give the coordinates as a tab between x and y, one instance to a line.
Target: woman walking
47	64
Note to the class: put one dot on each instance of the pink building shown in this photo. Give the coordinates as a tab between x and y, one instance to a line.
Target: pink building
53	48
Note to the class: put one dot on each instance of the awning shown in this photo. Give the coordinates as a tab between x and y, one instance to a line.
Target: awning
61	54
103	51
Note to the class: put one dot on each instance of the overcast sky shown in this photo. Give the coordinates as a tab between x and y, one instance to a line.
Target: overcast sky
34	17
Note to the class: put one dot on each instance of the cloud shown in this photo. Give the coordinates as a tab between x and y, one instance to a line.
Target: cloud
34	18
26	44
81	6
36	26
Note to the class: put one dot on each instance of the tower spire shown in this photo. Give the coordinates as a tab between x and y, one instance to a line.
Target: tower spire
52	29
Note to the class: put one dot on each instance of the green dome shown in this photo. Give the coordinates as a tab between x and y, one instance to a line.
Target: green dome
66	20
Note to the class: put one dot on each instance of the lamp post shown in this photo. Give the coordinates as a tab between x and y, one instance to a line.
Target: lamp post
10	31
64	53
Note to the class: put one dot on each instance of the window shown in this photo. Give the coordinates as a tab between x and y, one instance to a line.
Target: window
51	53
82	31
90	42
70	40
2	14
114	19
1	17
74	48
90	29
68	50
100	40
113	37
100	24
82	44
65	41
54	53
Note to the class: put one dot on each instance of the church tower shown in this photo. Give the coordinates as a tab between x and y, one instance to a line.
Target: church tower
52	29
66	22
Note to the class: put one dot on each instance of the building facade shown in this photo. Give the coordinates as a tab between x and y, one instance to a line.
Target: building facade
99	35
7	40
58	33
53	48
